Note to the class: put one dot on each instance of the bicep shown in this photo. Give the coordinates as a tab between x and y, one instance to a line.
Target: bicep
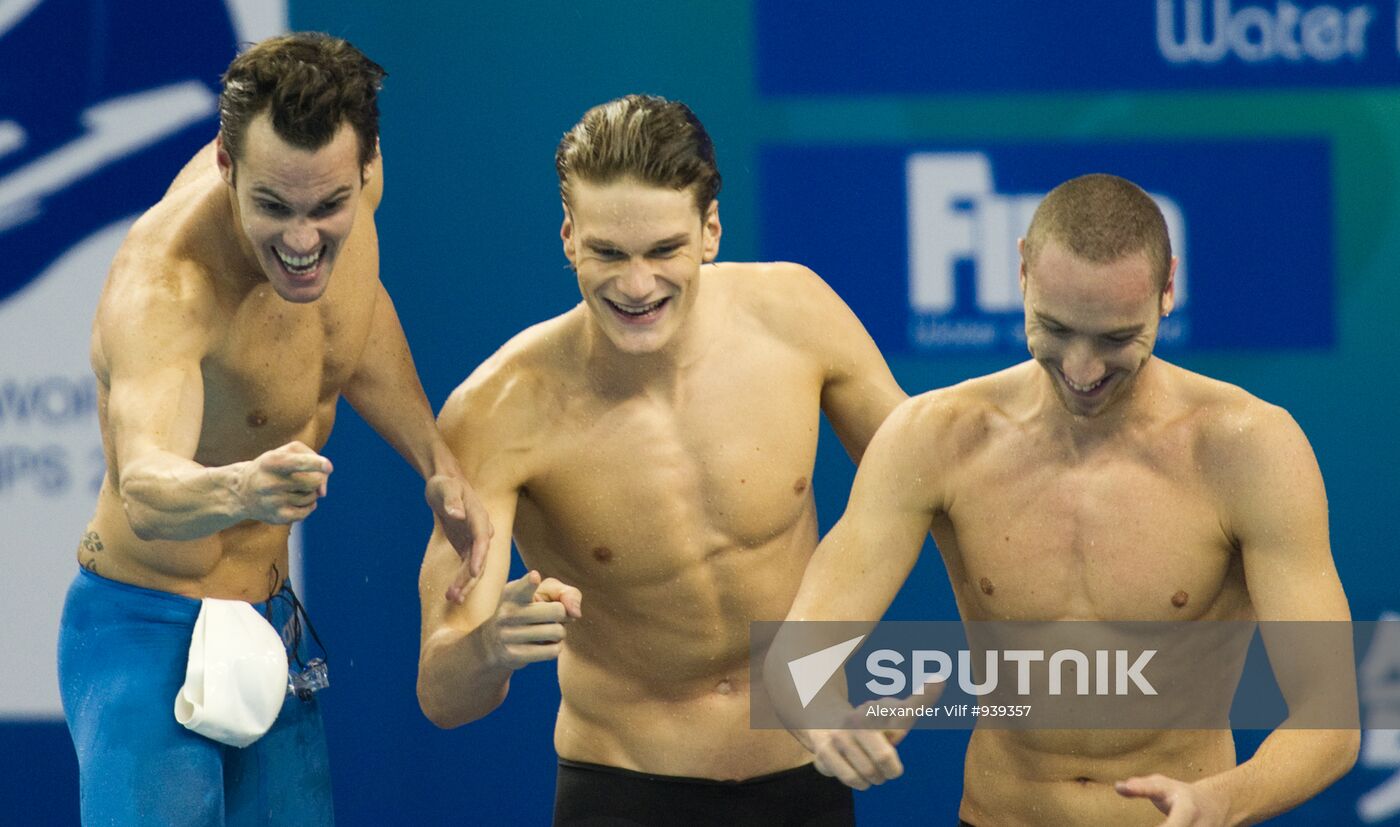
384	388
1279	518
1278	515
862	562
155	399
858	389
385	354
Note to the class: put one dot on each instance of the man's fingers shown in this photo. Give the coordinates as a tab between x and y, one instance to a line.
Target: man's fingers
533	652
835	764
302	499
876	744
462	584
534	633
482	532
1155	788
476	560
539	611
452	503
522	591
568	596
855	756
307	458
1138	787
291	514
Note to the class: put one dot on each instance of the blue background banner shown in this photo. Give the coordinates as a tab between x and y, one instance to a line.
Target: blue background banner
839	47
921	239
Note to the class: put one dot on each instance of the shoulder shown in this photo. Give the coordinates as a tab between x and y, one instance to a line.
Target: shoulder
778	289
515	392
790	301
1239	437
1230	418
952	423
157	278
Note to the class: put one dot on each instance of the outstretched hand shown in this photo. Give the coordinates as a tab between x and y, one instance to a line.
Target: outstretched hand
1185	804
857	756
282	486
529	622
466	525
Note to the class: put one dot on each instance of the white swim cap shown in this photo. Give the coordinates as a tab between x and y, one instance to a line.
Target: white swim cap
236	679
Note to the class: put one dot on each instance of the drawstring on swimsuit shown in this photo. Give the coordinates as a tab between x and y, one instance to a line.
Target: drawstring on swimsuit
310	676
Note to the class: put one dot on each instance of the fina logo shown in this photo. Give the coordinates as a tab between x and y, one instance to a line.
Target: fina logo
1254	34
956	219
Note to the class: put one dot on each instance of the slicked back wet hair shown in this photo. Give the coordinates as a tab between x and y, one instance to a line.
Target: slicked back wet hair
654	140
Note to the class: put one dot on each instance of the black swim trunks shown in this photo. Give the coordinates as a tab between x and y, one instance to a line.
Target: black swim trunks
593	795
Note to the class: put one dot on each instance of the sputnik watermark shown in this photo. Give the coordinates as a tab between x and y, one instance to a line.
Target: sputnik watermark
811	672
883	664
1056	674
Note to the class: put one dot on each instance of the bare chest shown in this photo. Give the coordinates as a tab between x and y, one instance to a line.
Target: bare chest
643	491
1122	534
278	372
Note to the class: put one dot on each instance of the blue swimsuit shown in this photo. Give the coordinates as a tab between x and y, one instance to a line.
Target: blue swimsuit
122	652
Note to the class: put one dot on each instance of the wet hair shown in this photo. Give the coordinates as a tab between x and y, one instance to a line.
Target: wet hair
655	140
1102	218
309	83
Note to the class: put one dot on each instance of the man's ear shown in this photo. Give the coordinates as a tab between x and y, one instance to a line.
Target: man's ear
1168	299
1021	268
224	160
710	231
566	235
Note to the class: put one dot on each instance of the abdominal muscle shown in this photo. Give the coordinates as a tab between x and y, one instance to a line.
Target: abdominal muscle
699	727
1068	776
247	561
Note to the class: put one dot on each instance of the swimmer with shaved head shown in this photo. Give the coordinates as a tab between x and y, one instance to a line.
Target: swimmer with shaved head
1093	482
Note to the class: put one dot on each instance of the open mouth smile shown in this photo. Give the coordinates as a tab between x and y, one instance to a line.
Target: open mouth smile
1085	390
633	314
300	266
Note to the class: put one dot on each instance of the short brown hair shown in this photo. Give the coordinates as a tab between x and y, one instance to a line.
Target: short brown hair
308	83
1102	218
658	141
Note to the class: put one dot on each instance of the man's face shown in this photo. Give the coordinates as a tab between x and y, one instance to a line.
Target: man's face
296	206
1091	326
637	250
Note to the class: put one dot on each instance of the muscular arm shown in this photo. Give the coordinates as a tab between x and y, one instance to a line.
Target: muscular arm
472	644
1279	520
459	680
853	576
153	334
385	391
858	390
1277	515
859	566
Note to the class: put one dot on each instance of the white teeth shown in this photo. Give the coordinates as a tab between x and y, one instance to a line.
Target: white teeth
1083	388
638	311
299	262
